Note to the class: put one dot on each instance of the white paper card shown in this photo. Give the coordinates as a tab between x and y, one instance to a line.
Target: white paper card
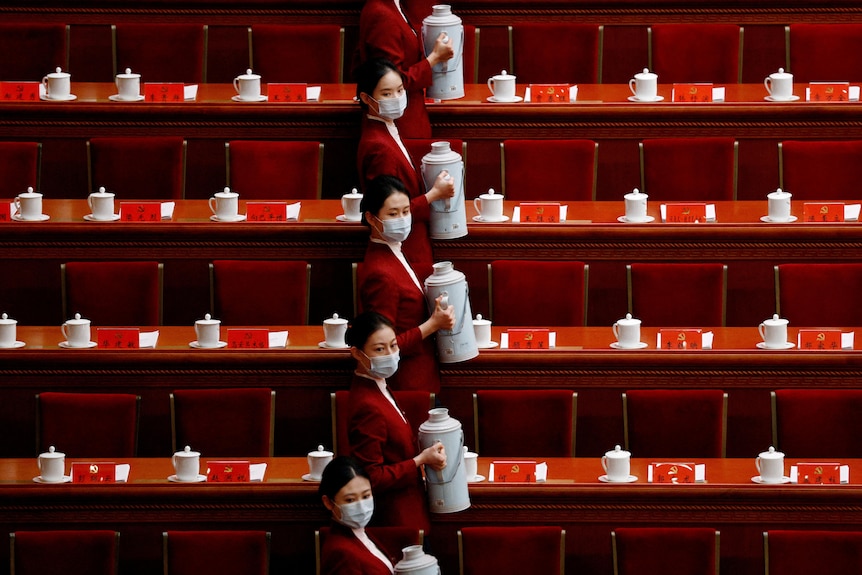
718	94
277	339
516	214
190	92
312	93
121	472
256	471
148	339
168	210
851	212
710	212
504	340
293	211
847	339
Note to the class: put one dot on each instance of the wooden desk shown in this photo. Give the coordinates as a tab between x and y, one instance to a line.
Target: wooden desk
572	498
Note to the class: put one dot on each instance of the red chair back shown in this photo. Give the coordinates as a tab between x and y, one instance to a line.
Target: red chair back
696	53
161	52
837	415
414	405
678	295
20	166
799	552
825	52
216	552
324	41
113	293
821	170
81	552
538	294
819	295
138	168
248	292
649	551
549	170
267	170
689	169
544	425
29	50
495	550
88	424
556	53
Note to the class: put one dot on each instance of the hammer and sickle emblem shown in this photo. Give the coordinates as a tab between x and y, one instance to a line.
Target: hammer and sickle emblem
818	470
681	336
529	336
824	209
94	469
228	469
673	470
821	336
830	90
516	468
540	210
692	90
686	211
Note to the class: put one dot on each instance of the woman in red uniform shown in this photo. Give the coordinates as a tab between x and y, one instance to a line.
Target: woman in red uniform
391	285
381	93
385	32
381	439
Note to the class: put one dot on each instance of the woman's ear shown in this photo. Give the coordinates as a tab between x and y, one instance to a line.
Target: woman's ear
327	502
364	98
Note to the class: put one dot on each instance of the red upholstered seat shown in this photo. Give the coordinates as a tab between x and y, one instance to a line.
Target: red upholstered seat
20	164
138	168
69	552
161	52
496	550
696	53
836	432
391	540
88	424
803	552
825	52
414	405
819	295
689	169
270	170
216	552
821	170
323	45
556	53
649	551
113	293
549	170
544	426
675	422
224	422
678	295
250	292
29	50
538	294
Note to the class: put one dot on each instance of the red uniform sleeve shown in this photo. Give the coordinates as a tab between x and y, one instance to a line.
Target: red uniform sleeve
383	40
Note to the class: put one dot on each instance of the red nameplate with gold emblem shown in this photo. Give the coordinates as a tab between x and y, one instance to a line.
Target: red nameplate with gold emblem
266	211
96	472
140	211
5	211
529	338
19	91
820	339
685	213
828	91
681	339
286	93
549	93
813	473
540	212
514	471
823	212
238	338
163	93
118	337
673	473
228	472
695	92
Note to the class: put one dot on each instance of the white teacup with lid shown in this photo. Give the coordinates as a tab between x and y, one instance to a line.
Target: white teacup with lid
617	464
489	206
247	86
225	205
417	562
502	87
471	464
317	462
187	464
636	206
482	330
779	206
29	205
102	205
334	329
128	86
8	331
628	332
76	331
779	85
774	332
52	466
770	466
208	331
644	86
58	85
350	203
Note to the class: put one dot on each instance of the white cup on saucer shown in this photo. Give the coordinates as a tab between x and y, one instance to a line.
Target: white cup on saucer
779	205
247	86
128	85
482	330
208	331
225	205
76	331
617	464
489	206
628	332
29	205
770	466
779	85
636	206
317	462
101	205
350	204
8	331
52	465
334	329
502	87
774	332
58	85
644	86
187	464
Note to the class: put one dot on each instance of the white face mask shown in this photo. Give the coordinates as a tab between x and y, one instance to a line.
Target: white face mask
392	108
384	366
397	229
356	514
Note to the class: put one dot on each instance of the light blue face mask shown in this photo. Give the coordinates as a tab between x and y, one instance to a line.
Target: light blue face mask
384	366
392	108
357	514
397	229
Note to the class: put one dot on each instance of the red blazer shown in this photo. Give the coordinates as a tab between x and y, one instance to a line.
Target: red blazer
379	155
383	33
385	447
344	554
386	287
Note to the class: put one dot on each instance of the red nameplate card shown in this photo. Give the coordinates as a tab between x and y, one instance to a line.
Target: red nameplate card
540	212
515	471
228	472
813	473
163	93
286	92
266	211
118	337
820	339
100	472
19	91
673	472
685	213
529	338
823	212
681	338
247	338
553	93
697	92
140	211
828	91
5	211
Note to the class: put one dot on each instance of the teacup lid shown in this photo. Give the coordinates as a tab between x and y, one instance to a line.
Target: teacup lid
226	193
771	454
249	75
320	452
645	75
781	74
52	454
335	320
503	76
6	320
778	194
102	193
636	194
77	320
491	194
776	320
414	558
208	320
29	193
128	74
58	73
628	320
187	452
354	193
481	321
618	453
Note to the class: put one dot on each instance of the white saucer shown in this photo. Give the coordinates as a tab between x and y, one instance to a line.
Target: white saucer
16	345
116	98
490	345
42	218
68	98
757	479
787	345
343	218
66	479
237	218
636	99
324	346
625	220
640	345
308	477
65	345
476	479
481	219
92	218
196	345
790	99
198	479
768	220
629	479
498	101
260	98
